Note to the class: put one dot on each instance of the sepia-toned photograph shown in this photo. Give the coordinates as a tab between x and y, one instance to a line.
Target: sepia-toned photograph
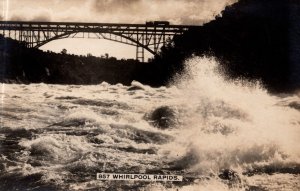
149	95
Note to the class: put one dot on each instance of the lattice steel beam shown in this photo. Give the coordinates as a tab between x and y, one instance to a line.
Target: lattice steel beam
143	36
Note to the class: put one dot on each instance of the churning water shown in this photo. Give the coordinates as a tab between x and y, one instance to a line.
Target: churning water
218	134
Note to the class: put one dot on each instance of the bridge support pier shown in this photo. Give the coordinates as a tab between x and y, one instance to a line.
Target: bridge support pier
140	54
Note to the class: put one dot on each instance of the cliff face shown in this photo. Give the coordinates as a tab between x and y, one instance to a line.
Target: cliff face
252	39
294	43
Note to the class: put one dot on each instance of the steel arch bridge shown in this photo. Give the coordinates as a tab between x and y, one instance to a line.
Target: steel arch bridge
149	36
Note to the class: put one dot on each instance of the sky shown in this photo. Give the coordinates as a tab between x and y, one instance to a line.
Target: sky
190	12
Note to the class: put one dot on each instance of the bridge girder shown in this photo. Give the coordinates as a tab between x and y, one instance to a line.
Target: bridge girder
143	36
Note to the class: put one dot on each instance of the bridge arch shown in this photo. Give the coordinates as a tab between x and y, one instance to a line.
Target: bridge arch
67	35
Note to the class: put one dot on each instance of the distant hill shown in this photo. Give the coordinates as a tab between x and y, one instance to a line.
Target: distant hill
30	65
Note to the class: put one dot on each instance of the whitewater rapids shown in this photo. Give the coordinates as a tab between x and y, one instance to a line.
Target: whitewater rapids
57	137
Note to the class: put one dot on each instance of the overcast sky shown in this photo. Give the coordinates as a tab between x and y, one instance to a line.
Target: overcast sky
120	11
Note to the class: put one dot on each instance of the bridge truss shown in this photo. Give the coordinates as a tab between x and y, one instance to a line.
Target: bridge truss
143	36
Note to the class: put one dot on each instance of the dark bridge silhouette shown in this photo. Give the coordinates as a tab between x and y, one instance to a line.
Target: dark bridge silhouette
149	36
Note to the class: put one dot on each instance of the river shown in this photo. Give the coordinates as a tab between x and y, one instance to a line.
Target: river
218	134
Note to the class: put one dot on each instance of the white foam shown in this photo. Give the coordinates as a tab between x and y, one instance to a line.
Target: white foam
261	132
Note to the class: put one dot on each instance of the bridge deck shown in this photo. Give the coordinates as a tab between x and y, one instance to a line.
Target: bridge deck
92	24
